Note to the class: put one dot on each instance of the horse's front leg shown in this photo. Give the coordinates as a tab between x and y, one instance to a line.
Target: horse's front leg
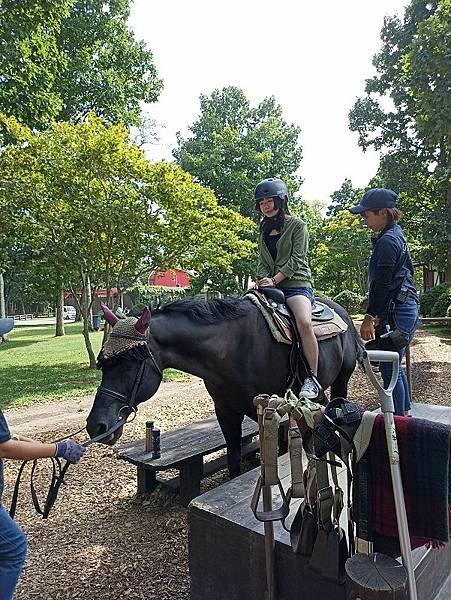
230	424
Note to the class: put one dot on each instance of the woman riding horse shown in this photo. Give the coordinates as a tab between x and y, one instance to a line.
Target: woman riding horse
283	262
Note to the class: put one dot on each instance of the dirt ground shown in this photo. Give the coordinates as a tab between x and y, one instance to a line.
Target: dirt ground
100	541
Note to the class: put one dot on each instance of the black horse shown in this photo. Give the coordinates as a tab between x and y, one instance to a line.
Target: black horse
225	342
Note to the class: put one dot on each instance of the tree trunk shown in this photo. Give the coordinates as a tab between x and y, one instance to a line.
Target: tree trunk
89	301
107	327
91	355
2	297
59	313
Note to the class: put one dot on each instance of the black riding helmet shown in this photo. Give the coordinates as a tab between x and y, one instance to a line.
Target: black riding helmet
271	188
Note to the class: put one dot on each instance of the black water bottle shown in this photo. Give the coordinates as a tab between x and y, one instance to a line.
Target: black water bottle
156	443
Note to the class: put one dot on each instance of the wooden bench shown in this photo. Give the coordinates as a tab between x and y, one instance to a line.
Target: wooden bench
184	449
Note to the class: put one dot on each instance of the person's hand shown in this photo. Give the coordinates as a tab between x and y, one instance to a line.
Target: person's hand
70	450
367	330
265	282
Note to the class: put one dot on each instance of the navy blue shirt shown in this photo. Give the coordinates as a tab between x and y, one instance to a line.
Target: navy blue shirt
4	437
390	266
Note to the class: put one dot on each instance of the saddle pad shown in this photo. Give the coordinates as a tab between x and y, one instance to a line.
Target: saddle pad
328	329
282	332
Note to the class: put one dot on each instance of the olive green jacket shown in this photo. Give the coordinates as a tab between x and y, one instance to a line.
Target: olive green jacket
291	258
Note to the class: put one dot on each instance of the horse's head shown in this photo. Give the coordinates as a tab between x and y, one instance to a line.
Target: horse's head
130	374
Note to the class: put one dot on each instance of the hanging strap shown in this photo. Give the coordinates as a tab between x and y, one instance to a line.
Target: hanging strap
271	421
324	494
297	489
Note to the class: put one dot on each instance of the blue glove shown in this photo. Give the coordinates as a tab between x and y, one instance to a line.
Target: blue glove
70	450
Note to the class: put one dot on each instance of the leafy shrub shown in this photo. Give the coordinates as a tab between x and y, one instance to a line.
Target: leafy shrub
320	295
448	312
429	298
440	307
349	300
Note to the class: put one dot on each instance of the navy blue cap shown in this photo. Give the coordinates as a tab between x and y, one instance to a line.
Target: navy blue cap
374	199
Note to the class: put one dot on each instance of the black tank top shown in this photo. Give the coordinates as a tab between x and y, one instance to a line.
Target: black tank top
271	241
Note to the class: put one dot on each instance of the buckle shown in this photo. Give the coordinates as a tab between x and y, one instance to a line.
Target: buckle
324	494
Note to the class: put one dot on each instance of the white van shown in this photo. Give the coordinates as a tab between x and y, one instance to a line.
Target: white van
69	312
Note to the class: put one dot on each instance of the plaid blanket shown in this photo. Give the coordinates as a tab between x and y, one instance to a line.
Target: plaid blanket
424	450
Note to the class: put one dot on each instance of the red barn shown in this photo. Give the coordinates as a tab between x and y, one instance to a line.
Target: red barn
170	278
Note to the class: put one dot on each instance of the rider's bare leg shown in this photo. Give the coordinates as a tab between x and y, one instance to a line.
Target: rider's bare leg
301	308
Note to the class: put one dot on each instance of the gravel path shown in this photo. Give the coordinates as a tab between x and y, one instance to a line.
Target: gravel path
101	542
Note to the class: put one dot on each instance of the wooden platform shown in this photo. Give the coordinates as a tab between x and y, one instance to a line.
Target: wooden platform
184	449
226	545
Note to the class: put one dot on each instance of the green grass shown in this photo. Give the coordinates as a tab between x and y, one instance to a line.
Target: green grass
36	366
442	331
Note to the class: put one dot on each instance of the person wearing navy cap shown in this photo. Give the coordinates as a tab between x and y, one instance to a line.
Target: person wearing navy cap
13	545
392	312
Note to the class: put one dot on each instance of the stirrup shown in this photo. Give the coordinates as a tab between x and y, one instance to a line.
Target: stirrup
279	514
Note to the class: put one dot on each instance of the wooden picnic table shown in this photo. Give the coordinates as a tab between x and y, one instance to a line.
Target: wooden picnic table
184	449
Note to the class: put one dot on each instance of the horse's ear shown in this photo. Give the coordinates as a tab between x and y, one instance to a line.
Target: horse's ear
143	322
110	317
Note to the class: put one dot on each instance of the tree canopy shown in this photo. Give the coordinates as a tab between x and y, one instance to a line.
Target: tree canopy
30	59
95	210
66	58
234	145
108	72
413	128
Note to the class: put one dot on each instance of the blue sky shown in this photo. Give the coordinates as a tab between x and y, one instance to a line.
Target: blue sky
313	57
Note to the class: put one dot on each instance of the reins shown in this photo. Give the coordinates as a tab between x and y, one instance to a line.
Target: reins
59	470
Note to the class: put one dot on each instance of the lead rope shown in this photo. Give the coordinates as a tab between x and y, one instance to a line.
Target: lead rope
58	471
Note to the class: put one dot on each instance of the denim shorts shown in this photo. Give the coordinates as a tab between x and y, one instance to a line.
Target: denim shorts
300	291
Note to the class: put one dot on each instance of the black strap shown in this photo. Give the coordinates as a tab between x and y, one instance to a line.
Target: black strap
58	472
57	479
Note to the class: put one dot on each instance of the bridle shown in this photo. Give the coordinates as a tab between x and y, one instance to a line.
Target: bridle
59	471
128	401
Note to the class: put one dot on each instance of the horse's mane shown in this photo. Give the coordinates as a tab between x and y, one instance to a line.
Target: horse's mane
208	311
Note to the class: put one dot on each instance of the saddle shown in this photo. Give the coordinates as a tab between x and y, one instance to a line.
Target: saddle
271	302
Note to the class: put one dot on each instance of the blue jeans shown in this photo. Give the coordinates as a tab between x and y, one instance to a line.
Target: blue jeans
13	549
406	320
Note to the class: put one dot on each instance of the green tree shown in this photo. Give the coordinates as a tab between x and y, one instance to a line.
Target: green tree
343	198
30	59
62	59
234	145
108	72
413	71
66	58
96	212
341	255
